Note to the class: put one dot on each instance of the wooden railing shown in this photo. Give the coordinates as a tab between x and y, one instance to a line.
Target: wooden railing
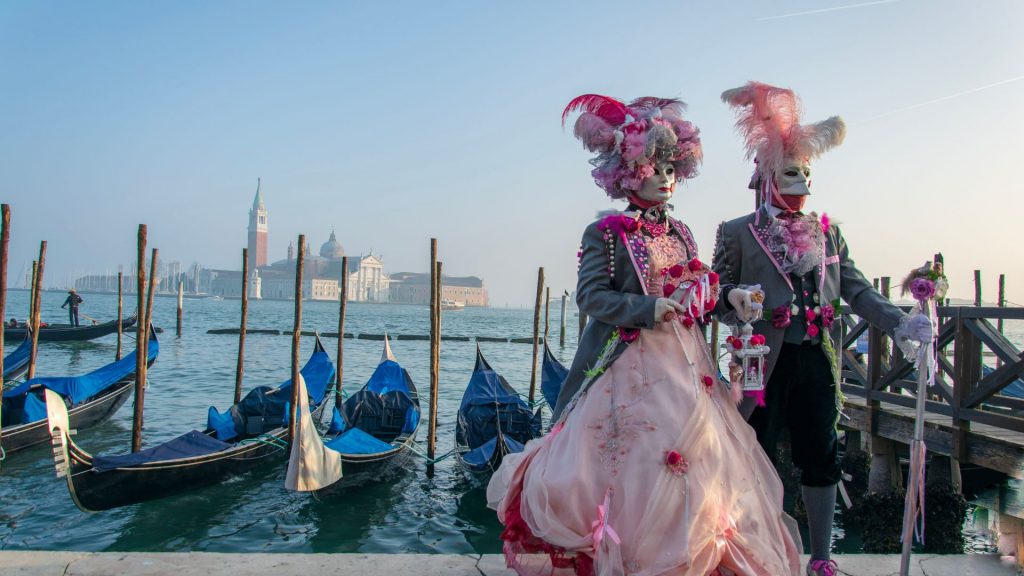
963	395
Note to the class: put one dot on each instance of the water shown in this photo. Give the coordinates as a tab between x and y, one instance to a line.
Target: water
405	511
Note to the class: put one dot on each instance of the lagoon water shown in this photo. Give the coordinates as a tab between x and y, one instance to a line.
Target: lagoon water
404	511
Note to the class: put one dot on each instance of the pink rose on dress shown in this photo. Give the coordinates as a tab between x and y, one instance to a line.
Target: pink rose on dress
676	463
811	315
668	289
695	265
676	271
712	278
812	330
828	316
688	322
708	381
757	340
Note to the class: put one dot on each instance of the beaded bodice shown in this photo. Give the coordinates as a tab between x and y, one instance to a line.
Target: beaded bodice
664	252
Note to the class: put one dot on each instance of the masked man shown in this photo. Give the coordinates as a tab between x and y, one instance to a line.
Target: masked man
803	265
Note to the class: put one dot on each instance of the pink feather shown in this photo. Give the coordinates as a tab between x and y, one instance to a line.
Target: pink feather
607	108
596	134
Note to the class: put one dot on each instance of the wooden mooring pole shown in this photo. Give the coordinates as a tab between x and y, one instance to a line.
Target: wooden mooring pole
977	287
37	300
435	337
561	331
536	334
5	239
1002	304
885	474
181	299
339	398
240	364
32	295
293	410
140	339
120	308
547	305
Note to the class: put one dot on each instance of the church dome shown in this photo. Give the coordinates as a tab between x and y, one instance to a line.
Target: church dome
332	249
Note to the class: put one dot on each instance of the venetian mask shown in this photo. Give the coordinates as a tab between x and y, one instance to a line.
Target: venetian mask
795	177
659	186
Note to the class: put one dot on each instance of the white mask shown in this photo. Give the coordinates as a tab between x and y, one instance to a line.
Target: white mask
659	186
795	178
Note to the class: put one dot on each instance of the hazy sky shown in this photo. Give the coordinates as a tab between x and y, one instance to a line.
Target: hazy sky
394	122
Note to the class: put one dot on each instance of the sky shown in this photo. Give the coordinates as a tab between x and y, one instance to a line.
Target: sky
396	122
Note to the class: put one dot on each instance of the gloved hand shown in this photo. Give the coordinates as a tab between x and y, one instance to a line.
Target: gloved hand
665	309
912	331
747	302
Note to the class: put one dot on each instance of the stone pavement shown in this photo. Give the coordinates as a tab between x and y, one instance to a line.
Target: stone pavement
44	563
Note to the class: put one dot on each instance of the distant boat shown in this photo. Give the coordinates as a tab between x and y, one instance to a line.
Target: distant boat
250	434
67	332
92	397
493	420
452	305
374	426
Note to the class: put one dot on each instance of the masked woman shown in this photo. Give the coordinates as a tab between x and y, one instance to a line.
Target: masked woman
649	468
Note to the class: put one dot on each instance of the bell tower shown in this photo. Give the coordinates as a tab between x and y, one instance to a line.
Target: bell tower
257	231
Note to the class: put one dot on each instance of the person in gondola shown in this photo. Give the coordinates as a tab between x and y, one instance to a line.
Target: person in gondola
649	467
71	303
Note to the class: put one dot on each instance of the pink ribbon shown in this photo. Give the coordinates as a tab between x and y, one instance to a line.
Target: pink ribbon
601	526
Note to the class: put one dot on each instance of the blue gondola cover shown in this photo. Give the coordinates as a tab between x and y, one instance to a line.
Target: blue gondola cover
188	445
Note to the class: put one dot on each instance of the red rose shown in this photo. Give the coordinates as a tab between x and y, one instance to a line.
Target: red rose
812	330
708	381
737	344
695	265
676	271
688	322
811	315
780	316
713	277
673	458
757	339
668	289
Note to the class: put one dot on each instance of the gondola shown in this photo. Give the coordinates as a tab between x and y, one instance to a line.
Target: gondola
67	332
16	363
493	420
247	435
92	398
552	376
374	426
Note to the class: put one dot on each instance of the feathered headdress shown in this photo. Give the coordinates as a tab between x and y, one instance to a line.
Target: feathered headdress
629	139
769	120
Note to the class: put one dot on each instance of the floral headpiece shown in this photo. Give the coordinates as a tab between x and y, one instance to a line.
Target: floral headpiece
630	139
769	121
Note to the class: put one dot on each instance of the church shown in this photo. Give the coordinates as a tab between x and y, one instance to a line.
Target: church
321	273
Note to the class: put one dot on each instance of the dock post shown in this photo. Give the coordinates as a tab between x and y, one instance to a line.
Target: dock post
240	363
342	302
140	339
120	307
536	333
435	338
561	332
1002	304
181	298
293	409
5	239
37	299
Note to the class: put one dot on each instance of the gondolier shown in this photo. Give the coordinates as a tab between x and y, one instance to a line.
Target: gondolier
71	303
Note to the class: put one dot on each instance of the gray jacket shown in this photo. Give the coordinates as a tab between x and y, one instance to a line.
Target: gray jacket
613	293
740	258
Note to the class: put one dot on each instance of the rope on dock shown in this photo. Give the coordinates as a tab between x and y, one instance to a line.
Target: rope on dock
266	439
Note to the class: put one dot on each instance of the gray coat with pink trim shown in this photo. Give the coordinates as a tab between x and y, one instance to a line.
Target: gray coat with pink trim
612	290
740	258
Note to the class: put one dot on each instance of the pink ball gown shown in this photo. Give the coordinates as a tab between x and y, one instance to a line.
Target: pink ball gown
653	472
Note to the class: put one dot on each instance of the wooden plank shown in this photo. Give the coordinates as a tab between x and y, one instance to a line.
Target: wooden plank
996	342
999	378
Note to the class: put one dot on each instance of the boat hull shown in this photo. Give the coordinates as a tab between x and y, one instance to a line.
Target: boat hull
68	333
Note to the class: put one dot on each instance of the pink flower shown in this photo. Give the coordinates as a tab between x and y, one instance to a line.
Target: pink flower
757	340
676	463
781	316
668	289
922	289
628	334
676	271
811	315
688	322
708	381
812	330
694	265
737	343
828	316
712	278
672	458
631	224
824	222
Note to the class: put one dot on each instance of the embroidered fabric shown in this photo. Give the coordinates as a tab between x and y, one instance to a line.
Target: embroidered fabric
797	243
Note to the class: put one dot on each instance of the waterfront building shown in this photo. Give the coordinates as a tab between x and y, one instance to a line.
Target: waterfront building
414	288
